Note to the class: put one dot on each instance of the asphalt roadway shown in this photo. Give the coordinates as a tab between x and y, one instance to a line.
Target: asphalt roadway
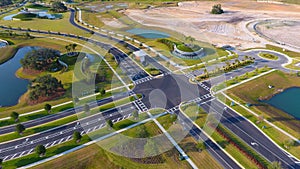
249	134
62	114
242	128
17	148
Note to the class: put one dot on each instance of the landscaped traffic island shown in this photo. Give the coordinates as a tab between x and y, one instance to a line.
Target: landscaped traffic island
268	56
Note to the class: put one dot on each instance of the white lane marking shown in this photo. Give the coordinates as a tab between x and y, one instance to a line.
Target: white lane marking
61	140
68	137
53	143
13	156
22	154
5	158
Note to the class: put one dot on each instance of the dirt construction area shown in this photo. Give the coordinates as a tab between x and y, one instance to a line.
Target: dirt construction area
194	19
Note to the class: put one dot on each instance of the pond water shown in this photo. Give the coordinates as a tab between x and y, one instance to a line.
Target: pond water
148	33
11	87
9	17
39	13
287	101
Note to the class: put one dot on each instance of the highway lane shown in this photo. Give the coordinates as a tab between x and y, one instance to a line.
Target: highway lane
62	114
211	147
24	146
250	134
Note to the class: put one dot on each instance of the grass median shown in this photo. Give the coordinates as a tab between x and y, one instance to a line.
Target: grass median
65	120
26	160
200	117
43	113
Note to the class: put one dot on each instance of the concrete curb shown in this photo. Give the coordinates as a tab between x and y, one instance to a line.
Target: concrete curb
284	132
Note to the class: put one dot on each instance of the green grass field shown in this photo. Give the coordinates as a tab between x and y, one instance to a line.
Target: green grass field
59	25
61	147
258	89
272	132
95	155
268	56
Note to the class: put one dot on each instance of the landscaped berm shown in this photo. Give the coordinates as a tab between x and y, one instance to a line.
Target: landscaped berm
184	50
188	51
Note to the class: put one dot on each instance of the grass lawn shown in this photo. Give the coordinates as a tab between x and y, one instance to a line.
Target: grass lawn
202	159
291	54
239	79
61	148
293	65
92	18
37	129
185	48
251	91
7	53
268	56
272	132
66	77
65	120
59	25
94	155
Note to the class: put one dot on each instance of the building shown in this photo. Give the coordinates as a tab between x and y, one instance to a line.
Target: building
140	55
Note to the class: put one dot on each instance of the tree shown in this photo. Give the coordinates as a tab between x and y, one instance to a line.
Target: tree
275	165
40	150
5	2
217	9
58	7
48	107
102	91
109	124
45	87
86	108
15	116
77	136
135	114
41	59
20	128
